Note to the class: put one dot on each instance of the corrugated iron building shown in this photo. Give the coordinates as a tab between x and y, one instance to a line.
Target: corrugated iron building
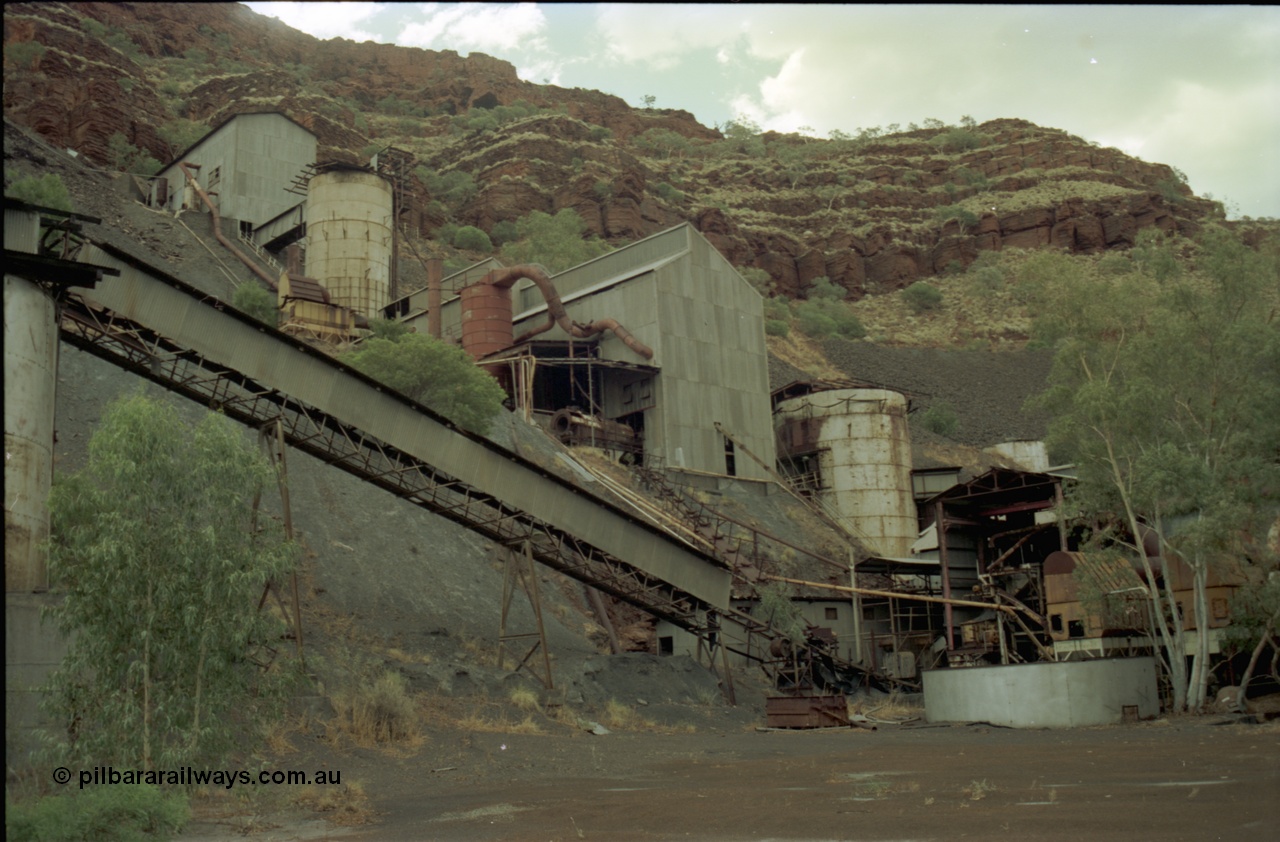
676	294
245	164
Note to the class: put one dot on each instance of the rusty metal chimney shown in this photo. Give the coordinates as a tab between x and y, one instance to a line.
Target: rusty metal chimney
293	259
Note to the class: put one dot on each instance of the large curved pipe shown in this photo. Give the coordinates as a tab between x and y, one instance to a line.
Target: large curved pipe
505	278
217	230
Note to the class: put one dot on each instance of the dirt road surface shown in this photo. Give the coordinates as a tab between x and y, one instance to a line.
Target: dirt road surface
1168	780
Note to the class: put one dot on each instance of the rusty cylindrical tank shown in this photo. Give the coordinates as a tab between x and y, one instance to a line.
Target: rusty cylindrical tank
486	319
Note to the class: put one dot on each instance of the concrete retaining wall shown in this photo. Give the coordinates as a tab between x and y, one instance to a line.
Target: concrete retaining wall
1048	695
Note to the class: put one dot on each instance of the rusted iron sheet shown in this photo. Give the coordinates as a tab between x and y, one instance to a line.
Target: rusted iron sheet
806	711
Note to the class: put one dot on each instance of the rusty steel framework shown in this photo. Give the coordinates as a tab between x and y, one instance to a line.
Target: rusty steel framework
189	367
136	348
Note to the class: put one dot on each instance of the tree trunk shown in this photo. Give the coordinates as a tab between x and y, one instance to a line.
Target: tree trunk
1174	641
1176	644
1253	661
1200	664
146	682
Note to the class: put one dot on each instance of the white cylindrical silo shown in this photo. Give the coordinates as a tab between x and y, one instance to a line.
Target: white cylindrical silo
862	447
349	225
30	375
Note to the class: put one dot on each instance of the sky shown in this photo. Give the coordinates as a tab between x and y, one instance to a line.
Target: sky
1195	87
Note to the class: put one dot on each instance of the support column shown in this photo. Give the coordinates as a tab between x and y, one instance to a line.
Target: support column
30	369
940	518
31	648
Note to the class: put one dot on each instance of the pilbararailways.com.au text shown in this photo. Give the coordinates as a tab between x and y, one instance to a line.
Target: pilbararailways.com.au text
187	776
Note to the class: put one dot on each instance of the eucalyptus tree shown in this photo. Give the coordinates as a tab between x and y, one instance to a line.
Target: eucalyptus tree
1165	393
161	559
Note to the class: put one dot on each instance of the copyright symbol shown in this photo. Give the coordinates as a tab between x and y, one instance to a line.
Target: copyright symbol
61	775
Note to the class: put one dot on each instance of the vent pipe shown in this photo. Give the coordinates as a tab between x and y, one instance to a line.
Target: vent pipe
217	230
503	279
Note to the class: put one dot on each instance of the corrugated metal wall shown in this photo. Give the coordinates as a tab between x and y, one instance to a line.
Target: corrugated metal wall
257	156
715	362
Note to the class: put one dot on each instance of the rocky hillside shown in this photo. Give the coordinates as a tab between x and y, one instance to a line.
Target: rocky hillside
129	85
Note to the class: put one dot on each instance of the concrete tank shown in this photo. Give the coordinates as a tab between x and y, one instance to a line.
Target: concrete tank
30	375
862	447
486	319
349	225
1075	694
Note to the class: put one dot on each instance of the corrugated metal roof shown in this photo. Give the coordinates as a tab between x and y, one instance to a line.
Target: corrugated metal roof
1106	572
305	289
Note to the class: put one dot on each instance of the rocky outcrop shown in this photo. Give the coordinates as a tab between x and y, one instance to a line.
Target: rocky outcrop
865	214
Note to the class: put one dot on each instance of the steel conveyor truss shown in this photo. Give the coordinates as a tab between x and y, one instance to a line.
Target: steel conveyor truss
89	322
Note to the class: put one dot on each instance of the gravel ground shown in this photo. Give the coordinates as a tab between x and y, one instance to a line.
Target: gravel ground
987	389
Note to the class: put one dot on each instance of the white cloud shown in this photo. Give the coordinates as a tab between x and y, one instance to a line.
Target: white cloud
661	36
476	27
323	20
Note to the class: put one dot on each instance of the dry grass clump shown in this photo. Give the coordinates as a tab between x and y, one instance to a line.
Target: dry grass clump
400	656
343	804
380	712
895	706
804	353
978	790
277	738
477	722
624	718
525	699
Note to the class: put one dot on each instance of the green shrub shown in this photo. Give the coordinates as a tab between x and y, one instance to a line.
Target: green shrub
24	54
47	191
445	233
503	232
777	308
953	267
120	813
823	288
760	279
557	242
391	104
667	192
388	329
958	140
453	188
813	320
93	27
124	156
181	134
777	327
940	418
1114	263
823	318
253	300
985	259
972	178
946	213
118	38
989	278
440	376
662	143
470	238
921	297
